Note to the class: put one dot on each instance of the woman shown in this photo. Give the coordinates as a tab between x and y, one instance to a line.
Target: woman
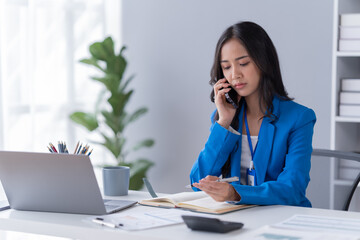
260	135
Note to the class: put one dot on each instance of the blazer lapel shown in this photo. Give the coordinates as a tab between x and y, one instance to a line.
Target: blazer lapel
263	149
264	146
236	165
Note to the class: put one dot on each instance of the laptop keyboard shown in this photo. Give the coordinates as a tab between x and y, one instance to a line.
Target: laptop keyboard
111	209
112	206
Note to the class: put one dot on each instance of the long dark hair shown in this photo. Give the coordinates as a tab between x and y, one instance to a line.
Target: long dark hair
262	51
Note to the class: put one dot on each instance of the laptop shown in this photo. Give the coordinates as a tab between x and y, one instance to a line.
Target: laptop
50	182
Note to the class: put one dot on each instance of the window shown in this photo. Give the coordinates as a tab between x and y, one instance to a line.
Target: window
41	79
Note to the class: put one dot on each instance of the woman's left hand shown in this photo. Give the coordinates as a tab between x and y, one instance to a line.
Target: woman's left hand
219	191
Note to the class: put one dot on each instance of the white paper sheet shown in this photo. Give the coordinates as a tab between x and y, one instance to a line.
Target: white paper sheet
321	223
146	220
272	233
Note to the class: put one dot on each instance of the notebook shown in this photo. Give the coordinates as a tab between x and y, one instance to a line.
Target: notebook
193	201
50	182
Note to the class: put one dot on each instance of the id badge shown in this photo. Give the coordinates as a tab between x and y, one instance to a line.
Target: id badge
251	177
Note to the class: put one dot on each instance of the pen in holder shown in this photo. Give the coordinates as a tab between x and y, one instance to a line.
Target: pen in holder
62	148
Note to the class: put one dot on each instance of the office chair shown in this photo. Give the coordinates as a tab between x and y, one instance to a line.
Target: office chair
341	155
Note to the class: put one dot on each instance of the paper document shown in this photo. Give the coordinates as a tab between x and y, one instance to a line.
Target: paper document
145	220
272	233
321	223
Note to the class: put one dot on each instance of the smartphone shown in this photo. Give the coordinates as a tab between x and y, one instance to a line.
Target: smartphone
232	98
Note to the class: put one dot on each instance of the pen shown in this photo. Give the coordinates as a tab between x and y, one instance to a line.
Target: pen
231	179
50	150
103	223
87	149
77	145
90	152
52	147
59	147
79	149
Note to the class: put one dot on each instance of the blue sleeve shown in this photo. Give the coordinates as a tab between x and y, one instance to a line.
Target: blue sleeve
290	186
215	153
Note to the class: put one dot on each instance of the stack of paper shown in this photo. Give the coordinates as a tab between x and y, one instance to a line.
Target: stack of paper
349	32
350	98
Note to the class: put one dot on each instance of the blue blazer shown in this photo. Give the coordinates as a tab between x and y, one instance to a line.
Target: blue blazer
281	160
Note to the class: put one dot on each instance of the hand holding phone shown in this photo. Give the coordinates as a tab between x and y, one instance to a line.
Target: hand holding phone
232	97
226	100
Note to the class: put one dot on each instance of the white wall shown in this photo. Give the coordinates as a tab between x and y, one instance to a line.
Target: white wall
170	49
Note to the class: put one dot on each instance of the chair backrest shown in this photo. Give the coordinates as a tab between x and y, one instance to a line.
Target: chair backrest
342	155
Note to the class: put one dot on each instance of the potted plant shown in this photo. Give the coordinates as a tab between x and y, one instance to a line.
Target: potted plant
110	117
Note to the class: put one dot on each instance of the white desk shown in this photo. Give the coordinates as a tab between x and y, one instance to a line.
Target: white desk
72	225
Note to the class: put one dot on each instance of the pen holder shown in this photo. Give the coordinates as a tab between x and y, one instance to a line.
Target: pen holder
116	180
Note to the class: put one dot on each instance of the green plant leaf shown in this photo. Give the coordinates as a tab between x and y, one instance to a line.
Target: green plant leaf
138	170
109	81
136	115
118	102
114	122
114	145
112	61
123	48
119	65
114	84
108	45
103	80
98	51
110	121
92	61
87	120
144	143
124	85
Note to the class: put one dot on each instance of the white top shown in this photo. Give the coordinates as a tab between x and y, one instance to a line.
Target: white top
245	154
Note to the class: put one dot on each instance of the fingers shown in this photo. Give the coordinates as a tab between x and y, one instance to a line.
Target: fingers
222	92
219	191
211	186
203	182
210	178
221	87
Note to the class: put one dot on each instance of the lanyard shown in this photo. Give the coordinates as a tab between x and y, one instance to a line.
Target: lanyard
251	174
248	135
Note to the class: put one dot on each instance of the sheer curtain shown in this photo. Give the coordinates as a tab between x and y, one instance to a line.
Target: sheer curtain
41	79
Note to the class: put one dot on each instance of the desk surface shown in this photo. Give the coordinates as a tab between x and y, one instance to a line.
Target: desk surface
73	225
